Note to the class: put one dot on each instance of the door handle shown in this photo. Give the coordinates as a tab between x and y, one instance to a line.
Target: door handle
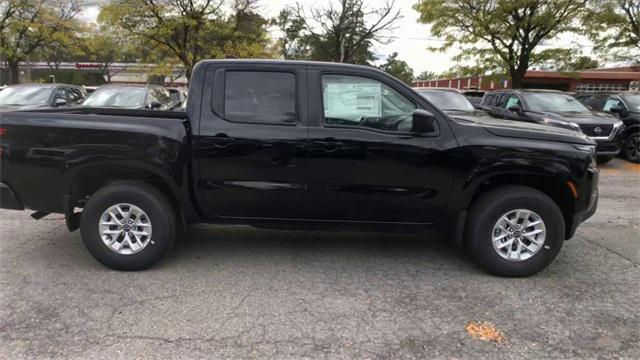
222	140
330	144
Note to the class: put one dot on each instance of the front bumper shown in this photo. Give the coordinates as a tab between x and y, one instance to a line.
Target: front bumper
608	147
592	204
8	199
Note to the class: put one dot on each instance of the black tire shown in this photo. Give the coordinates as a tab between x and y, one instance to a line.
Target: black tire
145	197
631	148
603	159
486	211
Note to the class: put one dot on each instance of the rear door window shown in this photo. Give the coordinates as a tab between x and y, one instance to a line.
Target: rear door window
264	97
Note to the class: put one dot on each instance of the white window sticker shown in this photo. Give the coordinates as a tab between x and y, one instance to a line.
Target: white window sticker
352	100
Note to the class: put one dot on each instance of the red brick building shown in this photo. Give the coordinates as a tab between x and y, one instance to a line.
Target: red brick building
605	79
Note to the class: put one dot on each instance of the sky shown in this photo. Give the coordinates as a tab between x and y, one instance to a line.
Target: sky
410	39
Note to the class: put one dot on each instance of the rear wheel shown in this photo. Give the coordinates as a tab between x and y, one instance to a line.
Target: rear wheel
631	150
128	226
515	231
604	159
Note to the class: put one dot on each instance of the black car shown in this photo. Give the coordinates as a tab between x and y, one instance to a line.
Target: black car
557	109
447	99
474	96
626	106
38	96
131	97
300	145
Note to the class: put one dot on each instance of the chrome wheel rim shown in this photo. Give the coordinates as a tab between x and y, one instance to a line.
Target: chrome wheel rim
125	229
518	235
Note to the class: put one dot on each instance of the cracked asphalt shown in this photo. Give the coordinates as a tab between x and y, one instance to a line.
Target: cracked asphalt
237	292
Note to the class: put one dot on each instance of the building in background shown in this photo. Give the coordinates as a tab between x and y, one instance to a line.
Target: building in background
605	79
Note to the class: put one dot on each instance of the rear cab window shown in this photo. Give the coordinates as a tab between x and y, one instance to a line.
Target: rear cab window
263	97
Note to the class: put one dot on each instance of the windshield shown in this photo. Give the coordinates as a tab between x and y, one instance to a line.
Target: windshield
25	95
554	102
633	101
121	97
447	100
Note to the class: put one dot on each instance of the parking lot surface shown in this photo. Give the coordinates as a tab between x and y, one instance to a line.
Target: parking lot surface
237	292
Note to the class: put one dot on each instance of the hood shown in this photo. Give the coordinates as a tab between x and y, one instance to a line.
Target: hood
522	130
6	108
585	118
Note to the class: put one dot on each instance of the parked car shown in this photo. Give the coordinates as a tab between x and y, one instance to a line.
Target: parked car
36	96
130	97
307	145
90	89
626	106
178	95
447	99
474	96
557	109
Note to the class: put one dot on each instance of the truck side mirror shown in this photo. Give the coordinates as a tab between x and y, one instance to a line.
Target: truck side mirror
155	105
515	108
57	102
422	121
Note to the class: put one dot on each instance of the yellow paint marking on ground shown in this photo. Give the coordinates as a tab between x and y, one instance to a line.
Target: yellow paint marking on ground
631	166
485	331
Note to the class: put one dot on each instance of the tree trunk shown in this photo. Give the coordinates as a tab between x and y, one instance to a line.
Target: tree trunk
517	75
14	71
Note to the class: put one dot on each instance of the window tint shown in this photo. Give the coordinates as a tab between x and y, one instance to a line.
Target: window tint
74	96
490	100
260	97
359	101
501	99
595	102
60	94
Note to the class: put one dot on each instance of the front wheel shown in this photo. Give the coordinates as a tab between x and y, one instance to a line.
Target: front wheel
631	149
514	231
128	226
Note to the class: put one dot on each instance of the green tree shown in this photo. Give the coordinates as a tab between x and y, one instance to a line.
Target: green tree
501	36
346	32
192	30
614	27
27	26
427	75
291	44
398	68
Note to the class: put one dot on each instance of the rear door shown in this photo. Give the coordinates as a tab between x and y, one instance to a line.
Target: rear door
251	141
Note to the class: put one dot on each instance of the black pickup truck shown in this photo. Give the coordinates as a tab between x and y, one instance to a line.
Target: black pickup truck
281	144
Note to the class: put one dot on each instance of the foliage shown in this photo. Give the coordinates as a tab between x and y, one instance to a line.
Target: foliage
614	27
501	36
427	75
192	30
343	33
27	26
398	68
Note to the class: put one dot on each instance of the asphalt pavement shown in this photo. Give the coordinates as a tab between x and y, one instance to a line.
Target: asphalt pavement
238	292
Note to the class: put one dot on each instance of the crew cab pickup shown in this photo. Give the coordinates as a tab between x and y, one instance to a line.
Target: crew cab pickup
306	145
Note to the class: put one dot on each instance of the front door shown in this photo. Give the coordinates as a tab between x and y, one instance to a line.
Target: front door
365	165
252	140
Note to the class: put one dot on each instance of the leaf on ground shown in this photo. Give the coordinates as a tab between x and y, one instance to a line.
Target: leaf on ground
485	331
